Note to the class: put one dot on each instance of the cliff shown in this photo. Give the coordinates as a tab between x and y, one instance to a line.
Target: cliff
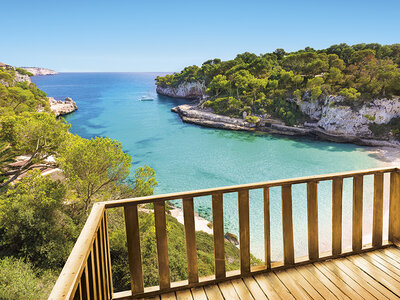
334	116
186	90
61	108
330	118
39	71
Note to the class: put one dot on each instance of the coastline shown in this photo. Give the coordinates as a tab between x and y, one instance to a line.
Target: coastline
194	114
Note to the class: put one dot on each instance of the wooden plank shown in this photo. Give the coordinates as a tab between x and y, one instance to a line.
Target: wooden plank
190	236
198	293
287	224
99	283
377	223
267	287
241	289
213	292
390	268
357	212
362	289
184	295
218	230
92	275
103	258
303	283
236	188
392	252
338	281
244	232
356	272
228	291
85	284
394	207
312	215
376	273
291	285
73	269
325	281
337	195
267	229
279	287
108	256
168	296
316	284
254	288
134	252
162	245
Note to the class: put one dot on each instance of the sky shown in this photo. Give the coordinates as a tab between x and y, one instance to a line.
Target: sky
166	36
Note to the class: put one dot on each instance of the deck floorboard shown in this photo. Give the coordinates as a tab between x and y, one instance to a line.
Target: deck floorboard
374	275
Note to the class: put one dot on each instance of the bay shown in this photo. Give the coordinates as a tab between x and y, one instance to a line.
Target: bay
187	157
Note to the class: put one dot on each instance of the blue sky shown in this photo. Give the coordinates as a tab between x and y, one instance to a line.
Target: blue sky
151	35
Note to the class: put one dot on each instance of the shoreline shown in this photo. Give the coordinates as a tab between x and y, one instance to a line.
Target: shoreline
192	113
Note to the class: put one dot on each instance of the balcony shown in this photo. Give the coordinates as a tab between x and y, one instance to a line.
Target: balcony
362	271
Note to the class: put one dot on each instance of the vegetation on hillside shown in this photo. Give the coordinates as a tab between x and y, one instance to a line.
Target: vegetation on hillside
41	217
263	84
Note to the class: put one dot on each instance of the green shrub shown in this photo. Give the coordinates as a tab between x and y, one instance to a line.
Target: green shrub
18	280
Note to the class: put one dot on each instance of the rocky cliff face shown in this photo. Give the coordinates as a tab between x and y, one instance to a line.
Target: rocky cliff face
187	90
39	71
62	107
17	78
335	117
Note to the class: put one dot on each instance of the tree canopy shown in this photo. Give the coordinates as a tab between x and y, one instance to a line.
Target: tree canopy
266	83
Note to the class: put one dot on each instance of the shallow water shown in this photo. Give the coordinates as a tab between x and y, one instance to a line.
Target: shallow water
188	157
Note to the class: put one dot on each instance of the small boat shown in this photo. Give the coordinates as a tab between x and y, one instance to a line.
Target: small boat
144	98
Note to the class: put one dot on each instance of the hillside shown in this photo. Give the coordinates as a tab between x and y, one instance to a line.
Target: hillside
343	90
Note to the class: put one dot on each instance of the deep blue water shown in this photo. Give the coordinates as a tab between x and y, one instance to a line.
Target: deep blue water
187	157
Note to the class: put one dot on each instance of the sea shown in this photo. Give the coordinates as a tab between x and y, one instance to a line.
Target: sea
189	157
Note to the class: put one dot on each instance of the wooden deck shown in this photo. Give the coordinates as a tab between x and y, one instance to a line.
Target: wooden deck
372	275
365	271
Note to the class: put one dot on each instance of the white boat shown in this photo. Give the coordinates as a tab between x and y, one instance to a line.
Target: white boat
144	98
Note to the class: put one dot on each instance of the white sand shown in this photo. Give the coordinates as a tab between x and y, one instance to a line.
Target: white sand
200	223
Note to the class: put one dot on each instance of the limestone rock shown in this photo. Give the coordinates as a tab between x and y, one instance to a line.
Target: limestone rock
187	90
62	107
39	71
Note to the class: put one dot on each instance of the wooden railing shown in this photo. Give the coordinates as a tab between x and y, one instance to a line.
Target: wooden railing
87	273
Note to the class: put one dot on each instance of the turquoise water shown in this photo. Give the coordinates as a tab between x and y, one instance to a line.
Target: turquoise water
187	157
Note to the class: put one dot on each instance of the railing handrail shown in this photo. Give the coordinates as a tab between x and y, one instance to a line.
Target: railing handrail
73	268
248	186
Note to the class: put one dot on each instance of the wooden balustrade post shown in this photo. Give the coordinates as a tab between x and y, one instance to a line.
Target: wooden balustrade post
267	229
394	207
218	230
244	231
377	223
108	258
162	245
287	225
357	212
337	195
312	215
190	236
134	253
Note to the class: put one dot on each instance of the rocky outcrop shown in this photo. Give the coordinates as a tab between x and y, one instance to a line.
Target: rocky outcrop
335	117
193	114
62	107
197	115
18	77
187	90
39	71
21	78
